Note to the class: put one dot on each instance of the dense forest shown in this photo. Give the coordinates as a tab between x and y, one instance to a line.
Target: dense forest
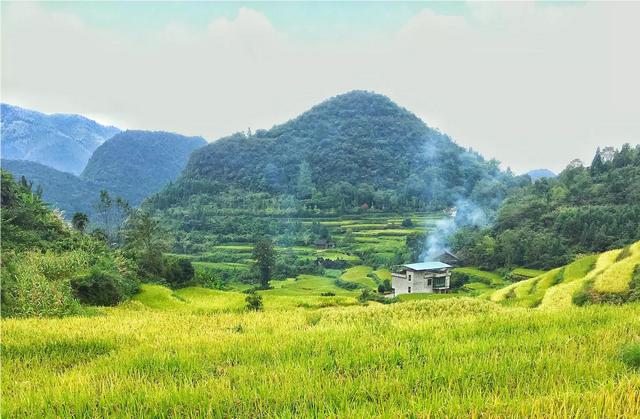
353	153
135	164
548	223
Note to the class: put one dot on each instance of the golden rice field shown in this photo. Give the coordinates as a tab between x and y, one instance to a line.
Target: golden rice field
197	353
554	289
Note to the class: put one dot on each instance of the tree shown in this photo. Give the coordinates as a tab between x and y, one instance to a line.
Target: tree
80	221
265	257
146	240
304	185
597	165
103	208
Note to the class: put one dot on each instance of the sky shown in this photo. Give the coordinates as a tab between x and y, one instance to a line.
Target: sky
531	84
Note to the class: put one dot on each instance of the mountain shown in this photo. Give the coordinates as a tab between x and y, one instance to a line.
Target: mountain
540	174
131	165
136	164
355	152
63	142
61	190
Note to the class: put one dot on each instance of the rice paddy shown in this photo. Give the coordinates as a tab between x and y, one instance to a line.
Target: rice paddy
198	353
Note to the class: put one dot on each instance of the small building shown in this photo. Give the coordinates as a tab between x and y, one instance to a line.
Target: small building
424	277
449	258
324	244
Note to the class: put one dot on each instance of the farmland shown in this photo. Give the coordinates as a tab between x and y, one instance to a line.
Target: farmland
491	348
196	352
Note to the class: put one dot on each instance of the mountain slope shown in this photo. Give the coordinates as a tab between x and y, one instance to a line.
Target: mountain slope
63	142
139	163
61	190
355	152
132	165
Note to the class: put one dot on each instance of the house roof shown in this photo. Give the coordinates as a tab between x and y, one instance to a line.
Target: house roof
426	266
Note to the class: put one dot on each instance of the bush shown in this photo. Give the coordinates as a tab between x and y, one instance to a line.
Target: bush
369	295
347	285
254	302
102	288
178	271
407	223
631	355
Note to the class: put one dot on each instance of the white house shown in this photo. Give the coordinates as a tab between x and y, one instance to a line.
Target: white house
424	277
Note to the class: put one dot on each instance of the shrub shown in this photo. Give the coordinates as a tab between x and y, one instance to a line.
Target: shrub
178	271
407	223
254	302
631	355
369	295
347	285
102	288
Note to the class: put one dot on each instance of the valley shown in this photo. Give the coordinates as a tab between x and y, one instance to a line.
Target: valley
253	277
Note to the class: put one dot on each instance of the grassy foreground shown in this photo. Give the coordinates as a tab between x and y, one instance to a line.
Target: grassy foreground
201	355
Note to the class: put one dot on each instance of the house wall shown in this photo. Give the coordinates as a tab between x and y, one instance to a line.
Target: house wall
419	282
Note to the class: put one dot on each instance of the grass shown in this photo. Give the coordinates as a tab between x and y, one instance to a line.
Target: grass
359	275
490	278
561	295
457	357
526	272
616	278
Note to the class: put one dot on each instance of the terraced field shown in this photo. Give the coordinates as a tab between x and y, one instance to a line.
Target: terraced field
609	272
378	234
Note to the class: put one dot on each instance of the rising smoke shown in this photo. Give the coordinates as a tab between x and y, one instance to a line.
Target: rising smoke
464	214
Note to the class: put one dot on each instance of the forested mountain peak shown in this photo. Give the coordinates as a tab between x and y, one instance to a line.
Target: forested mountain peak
62	141
354	152
138	163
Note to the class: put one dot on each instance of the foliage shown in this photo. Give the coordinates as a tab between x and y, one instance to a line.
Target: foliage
549	222
102	288
145	241
136	164
178	271
265	258
356	153
26	221
79	221
254	302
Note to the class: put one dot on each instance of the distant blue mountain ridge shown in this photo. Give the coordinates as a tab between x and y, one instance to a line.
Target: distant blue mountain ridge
540	174
62	141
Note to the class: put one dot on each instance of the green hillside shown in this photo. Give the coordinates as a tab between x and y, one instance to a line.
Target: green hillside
355	153
132	165
61	190
550	222
136	164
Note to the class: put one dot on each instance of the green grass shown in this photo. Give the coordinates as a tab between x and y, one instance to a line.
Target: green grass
449	357
490	277
359	275
526	272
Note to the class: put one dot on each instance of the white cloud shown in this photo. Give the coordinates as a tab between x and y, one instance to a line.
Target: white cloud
532	85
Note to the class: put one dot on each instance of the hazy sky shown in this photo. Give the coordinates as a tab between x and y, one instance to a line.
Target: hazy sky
531	84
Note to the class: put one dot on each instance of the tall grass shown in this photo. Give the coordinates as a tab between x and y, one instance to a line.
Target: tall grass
443	358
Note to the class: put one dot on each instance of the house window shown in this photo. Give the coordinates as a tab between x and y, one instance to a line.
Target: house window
429	281
409	290
440	282
409	277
